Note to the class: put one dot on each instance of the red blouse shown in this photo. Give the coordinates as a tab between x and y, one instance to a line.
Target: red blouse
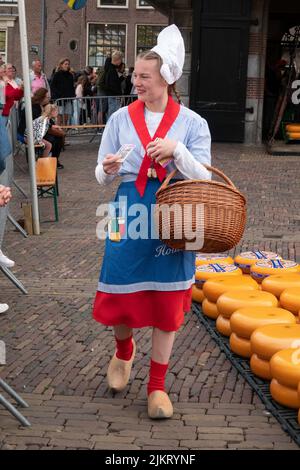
11	95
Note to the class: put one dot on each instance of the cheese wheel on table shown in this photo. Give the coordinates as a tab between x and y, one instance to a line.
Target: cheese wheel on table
277	283
285	372
267	341
215	287
211	258
197	294
246	320
210	309
293	127
231	301
263	269
290	299
207	271
249	258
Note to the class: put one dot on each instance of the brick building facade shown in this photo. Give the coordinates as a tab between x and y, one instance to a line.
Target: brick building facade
85	36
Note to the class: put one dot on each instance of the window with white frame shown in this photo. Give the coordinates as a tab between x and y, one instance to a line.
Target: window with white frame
3	44
143	4
146	36
113	3
103	39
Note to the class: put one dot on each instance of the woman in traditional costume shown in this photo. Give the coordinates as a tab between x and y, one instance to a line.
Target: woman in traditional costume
142	282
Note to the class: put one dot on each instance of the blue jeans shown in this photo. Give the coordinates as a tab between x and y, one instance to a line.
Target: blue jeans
5	147
113	106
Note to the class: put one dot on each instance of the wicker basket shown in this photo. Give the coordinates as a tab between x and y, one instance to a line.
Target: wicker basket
223	210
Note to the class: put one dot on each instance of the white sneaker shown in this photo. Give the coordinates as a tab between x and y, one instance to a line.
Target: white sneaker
5	261
3	308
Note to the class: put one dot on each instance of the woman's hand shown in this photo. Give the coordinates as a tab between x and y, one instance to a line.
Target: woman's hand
111	164
161	149
5	195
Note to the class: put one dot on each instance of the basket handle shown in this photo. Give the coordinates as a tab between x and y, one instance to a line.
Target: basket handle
209	168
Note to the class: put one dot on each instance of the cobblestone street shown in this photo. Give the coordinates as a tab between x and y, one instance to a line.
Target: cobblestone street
57	355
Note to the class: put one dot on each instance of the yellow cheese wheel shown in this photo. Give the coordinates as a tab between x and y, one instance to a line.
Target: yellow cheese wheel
223	325
231	301
285	367
245	320
284	395
268	340
240	346
249	258
210	309
260	367
197	294
215	287
277	283
293	135
266	268
207	271
292	127
211	258
290	299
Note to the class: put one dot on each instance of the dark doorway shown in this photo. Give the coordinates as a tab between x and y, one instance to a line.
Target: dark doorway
219	67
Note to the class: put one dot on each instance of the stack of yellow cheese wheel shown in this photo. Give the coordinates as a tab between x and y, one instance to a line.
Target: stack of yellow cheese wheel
233	300
249	258
268	340
216	286
285	372
207	271
197	294
277	283
246	320
293	127
290	299
263	269
211	258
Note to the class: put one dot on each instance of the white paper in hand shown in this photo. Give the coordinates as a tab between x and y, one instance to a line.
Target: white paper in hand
124	151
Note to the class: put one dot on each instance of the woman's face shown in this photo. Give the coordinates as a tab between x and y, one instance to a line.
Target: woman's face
66	66
149	84
54	113
46	100
9	71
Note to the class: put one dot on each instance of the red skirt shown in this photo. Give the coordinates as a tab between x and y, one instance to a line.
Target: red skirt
163	310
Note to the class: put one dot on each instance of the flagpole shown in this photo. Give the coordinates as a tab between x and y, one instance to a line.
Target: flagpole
28	113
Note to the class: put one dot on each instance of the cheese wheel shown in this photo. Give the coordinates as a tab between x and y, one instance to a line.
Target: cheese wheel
240	346
245	320
207	271
260	367
284	395
293	135
249	258
268	340
215	287
211	258
231	301
210	309
223	325
285	367
293	127
290	299
197	294
277	283
265	268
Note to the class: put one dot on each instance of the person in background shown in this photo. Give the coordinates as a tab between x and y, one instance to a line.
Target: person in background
62	88
38	78
113	82
5	196
1	60
12	91
18	80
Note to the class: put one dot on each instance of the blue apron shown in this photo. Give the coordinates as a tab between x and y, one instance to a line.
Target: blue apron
133	265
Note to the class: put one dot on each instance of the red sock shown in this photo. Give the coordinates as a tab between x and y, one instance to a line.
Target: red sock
124	348
157	376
